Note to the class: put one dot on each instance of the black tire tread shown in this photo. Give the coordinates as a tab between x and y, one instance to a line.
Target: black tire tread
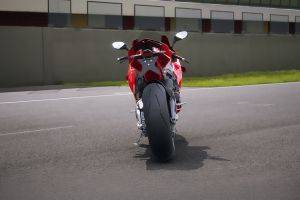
158	123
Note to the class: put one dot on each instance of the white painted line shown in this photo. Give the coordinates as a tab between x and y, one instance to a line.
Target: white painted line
64	98
243	102
255	104
266	104
37	130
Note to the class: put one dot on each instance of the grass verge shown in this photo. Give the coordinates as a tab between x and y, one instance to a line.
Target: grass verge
250	78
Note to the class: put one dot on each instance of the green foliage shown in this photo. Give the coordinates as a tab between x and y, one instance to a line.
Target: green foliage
250	78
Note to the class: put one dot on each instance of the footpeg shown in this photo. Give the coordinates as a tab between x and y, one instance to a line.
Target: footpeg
137	143
181	104
141	124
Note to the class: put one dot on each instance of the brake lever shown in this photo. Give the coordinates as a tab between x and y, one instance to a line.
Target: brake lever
122	59
181	58
137	56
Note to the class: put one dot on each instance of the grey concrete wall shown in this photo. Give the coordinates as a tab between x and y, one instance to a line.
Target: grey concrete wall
35	56
82	55
21	56
213	54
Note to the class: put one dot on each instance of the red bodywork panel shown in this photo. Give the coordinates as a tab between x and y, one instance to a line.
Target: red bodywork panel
162	60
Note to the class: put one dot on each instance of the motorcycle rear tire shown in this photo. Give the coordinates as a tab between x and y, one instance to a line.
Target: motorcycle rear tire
158	123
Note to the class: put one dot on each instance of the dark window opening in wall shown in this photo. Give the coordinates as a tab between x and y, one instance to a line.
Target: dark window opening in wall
279	27
291	27
294	3
265	2
222	22
188	19
188	24
202	1
105	21
253	23
128	22
238	26
285	3
297	28
232	1
149	17
275	3
59	13
149	23
244	2
297	25
222	26
59	19
221	1
253	27
105	15
206	25
8	18
255	2
279	24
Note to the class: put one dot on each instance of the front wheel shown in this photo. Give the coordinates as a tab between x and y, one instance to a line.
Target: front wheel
158	123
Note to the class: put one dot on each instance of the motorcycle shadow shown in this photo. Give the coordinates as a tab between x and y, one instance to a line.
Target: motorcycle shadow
186	158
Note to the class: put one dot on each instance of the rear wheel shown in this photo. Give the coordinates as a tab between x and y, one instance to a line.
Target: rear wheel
158	123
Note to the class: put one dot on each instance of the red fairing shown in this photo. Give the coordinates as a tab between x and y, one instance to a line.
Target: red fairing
176	63
178	72
162	60
131	78
165	40
132	67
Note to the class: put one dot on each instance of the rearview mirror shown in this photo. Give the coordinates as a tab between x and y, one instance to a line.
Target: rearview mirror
119	45
179	36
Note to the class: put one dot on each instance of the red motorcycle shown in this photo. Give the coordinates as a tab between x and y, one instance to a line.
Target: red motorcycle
155	77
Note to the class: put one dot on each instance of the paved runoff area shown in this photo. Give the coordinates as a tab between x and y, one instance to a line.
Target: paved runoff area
232	143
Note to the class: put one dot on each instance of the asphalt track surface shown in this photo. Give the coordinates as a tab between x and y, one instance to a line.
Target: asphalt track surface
233	143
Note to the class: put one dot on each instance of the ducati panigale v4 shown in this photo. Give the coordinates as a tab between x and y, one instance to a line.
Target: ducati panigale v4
155	77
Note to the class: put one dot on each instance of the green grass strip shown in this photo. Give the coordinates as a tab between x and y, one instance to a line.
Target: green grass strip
250	78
